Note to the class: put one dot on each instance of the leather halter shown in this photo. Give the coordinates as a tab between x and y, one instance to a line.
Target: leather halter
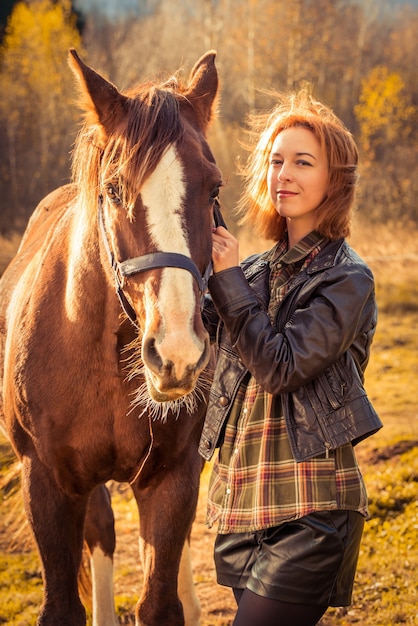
151	261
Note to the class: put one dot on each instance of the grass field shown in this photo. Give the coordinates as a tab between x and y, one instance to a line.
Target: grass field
386	589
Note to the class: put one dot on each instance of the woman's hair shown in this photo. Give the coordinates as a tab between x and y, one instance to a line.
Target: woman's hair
300	109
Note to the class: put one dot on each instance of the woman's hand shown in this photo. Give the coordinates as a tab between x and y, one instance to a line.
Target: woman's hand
225	249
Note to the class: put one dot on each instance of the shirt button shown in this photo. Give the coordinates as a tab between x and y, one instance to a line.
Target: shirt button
223	401
228	491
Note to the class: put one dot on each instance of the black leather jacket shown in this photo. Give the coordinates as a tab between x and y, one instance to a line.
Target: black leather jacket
314	356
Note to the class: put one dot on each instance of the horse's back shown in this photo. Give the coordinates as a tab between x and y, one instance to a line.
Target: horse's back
44	219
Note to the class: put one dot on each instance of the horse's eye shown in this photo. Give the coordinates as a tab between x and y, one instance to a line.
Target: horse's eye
215	194
112	194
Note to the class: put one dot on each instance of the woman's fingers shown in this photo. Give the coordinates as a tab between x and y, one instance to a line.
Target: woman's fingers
225	249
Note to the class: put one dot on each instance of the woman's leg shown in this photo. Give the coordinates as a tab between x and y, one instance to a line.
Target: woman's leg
255	610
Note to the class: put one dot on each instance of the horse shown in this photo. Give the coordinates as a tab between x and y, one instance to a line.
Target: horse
105	358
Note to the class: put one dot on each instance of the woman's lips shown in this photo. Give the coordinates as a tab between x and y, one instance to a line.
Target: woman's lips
284	193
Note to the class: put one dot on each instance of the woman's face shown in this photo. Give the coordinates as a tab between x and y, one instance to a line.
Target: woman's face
297	178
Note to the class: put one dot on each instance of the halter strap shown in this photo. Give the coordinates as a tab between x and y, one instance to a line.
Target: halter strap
161	259
151	261
124	302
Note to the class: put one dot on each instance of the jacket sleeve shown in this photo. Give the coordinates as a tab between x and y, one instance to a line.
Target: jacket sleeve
319	331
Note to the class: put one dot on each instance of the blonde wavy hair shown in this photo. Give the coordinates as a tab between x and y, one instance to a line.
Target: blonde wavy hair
256	207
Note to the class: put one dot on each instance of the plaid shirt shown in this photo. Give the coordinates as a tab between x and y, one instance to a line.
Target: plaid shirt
255	482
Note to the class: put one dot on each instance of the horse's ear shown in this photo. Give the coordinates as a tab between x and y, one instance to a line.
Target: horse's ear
100	99
203	88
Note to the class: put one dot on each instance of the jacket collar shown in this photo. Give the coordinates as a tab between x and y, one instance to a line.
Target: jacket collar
327	257
298	253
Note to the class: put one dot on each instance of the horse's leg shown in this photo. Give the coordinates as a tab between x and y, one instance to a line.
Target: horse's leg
167	507
186	588
99	533
57	524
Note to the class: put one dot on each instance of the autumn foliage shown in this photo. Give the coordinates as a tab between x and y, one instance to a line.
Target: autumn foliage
359	56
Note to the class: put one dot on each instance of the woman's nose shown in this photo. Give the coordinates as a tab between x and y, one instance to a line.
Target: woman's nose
284	174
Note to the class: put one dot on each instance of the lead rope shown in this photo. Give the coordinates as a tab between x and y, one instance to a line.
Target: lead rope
141	467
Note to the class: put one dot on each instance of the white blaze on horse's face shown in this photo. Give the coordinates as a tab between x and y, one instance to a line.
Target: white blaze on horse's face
178	353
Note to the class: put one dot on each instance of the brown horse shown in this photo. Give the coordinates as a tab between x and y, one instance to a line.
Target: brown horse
103	344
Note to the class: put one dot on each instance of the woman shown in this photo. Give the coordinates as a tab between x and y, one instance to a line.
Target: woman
287	404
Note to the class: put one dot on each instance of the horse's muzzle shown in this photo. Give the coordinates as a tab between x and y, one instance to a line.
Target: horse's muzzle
167	379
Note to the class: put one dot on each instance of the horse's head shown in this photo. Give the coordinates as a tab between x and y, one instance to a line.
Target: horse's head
143	158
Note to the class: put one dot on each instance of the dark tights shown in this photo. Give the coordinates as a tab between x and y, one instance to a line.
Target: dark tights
254	610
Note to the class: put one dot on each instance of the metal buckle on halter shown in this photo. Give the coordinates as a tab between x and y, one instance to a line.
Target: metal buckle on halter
119	276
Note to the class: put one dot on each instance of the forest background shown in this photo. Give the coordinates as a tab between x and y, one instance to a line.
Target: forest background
360	57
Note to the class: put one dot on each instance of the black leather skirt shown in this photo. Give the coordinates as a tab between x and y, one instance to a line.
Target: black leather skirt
311	560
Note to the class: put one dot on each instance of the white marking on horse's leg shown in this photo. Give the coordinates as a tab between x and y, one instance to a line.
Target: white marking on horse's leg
102	579
163	196
186	589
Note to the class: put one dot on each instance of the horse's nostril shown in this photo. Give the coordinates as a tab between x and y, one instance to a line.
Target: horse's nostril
150	354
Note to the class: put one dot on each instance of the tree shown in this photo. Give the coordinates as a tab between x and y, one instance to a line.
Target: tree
387	121
384	111
37	116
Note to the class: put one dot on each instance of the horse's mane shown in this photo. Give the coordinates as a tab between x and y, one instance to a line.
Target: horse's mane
150	123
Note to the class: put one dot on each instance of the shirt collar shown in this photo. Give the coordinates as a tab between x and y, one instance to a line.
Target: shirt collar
280	252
